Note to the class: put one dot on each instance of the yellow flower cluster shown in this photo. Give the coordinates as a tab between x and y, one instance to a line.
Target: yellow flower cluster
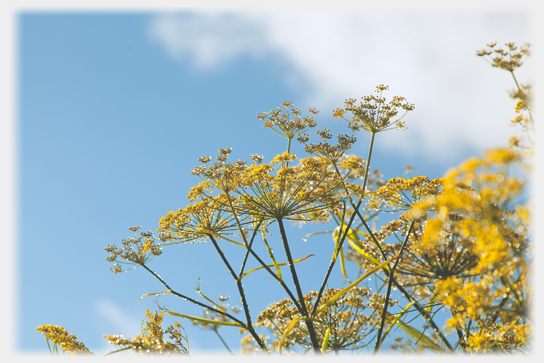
61	338
401	194
135	250
494	338
480	191
475	208
283	125
195	222
266	192
374	114
350	320
152	339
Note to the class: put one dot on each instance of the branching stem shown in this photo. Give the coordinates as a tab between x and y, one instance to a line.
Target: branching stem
388	294
303	311
242	294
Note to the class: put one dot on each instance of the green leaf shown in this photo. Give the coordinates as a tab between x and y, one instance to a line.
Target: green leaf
216	322
343	263
325	344
290	327
421	338
397	318
275	264
365	255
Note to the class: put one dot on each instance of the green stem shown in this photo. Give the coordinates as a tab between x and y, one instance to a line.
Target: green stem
236	218
333	260
303	310
373	237
249	326
519	89
341	242
249	247
388	294
422	311
419	308
368	162
282	283
223	341
192	300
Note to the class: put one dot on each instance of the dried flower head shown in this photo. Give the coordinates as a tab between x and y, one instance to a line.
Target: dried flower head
289	124
135	250
373	114
509	59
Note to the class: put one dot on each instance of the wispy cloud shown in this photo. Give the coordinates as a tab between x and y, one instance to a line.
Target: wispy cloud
119	321
209	41
426	57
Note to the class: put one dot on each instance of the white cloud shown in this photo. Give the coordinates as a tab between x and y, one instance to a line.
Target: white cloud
426	57
209	41
113	317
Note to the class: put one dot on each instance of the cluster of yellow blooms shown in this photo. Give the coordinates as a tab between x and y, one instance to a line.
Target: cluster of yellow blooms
145	250
152	339
61	338
401	194
345	323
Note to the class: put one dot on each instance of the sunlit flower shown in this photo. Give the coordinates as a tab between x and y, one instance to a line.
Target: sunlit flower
61	338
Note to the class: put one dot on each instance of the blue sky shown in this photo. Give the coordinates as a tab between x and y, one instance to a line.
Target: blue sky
114	109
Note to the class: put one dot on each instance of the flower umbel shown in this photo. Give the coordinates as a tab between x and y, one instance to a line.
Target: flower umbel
373	114
151	341
61	338
135	250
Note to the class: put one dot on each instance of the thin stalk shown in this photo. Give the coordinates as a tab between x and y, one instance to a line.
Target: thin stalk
333	260
372	235
303	311
192	300
341	242
223	341
461	337
236	218
289	145
519	89
242	294
282	283
249	247
388	294
368	162
422	311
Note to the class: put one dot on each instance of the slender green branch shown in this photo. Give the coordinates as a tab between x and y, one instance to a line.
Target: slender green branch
249	247
519	89
249	325
193	300
372	235
333	260
303	311
236	218
352	218
222	341
368	163
388	294
420	309
282	283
